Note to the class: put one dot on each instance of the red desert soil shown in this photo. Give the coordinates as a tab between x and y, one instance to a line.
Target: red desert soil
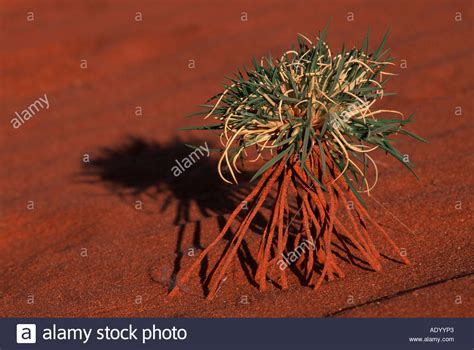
85	250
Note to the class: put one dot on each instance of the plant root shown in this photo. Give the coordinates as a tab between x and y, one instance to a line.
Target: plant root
316	226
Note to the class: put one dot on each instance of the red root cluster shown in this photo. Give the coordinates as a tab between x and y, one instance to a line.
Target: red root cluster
315	220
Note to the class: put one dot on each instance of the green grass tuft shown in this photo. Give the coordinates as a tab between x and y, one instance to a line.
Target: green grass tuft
309	97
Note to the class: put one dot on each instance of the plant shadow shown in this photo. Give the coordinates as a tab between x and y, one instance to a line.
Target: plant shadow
139	167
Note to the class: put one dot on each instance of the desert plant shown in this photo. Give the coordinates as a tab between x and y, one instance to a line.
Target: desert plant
311	115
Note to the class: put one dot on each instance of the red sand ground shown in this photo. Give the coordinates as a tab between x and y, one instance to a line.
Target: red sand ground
131	253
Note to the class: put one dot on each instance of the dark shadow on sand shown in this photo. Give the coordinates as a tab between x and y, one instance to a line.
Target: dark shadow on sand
139	167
